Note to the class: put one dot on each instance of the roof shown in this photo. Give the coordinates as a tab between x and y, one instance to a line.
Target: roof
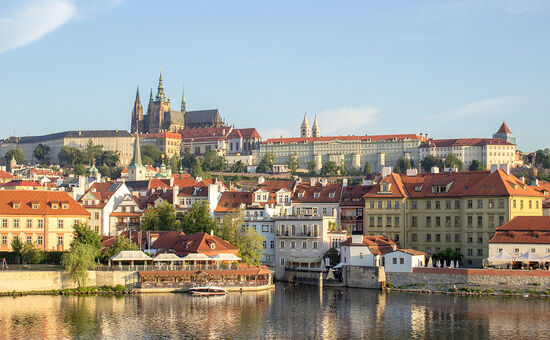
160	135
245	133
183	244
412	252
131	255
5	175
504	128
306	193
202	116
232	200
102	190
453	184
525	230
20	183
260	270
215	132
344	138
527	223
75	134
352	195
463	142
45	200
378	244
273	186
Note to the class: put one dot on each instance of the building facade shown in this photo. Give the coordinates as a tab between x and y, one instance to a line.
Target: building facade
522	234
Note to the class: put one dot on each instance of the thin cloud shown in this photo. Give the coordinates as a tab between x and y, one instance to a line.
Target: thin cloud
30	20
346	120
486	106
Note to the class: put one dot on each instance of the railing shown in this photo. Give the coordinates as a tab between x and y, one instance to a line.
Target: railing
187	285
164	267
298	235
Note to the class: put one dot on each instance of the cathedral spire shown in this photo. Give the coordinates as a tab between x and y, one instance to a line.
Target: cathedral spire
137	96
183	100
160	90
137	151
305	130
137	113
151	96
315	131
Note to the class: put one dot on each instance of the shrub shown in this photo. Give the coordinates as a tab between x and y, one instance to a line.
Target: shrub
120	288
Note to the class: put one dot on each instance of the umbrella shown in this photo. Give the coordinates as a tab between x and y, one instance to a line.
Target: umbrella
501	258
430	263
452	264
444	263
457	264
528	257
438	264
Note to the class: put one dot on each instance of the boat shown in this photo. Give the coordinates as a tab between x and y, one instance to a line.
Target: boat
207	290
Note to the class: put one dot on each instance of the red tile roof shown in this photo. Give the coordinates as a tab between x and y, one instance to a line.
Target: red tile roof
5	175
525	230
205	133
305	193
244	133
161	135
378	244
232	200
20	183
352	195
412	252
183	244
504	128
273	186
344	138
26	198
463	142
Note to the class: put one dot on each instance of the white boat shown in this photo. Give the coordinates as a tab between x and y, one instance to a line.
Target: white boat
207	290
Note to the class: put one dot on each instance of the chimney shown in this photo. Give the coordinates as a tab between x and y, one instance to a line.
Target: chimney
536	182
312	181
434	170
505	168
522	179
171	181
494	167
175	192
412	172
261	180
211	232
386	171
324	182
164	190
345	182
357	239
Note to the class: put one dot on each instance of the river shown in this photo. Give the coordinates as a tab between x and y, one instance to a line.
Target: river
288	312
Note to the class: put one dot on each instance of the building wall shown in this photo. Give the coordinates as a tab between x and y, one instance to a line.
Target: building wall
358	256
517	249
409	261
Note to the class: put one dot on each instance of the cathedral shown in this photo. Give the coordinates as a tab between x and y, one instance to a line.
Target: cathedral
160	117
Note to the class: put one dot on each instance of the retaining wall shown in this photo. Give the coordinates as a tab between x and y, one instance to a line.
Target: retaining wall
364	277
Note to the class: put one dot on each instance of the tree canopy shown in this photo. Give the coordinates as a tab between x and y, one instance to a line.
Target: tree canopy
151	155
248	240
84	235
447	255
329	169
367	169
41	153
311	167
197	219
162	217
78	261
266	164
453	162
402	165
121	243
431	161
238	167
476	166
15	153
293	164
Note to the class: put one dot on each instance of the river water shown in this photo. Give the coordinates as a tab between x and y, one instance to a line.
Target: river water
288	312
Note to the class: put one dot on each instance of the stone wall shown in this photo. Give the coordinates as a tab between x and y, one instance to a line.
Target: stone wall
38	280
364	277
481	277
306	277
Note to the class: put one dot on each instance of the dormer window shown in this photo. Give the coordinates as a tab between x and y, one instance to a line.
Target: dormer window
316	194
65	206
331	195
301	194
16	205
212	246
418	188
35	205
54	205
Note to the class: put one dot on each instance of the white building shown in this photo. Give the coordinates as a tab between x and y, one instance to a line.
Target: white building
365	251
404	260
522	234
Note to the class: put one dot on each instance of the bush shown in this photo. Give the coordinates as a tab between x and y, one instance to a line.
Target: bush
120	288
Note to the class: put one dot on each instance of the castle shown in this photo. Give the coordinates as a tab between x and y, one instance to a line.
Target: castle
160	117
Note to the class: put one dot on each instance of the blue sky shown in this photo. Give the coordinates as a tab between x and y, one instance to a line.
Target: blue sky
446	68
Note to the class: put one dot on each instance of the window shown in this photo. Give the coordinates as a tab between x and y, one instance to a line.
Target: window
457	237
480	204
379	221
396	205
282	245
491	221
29	223
470	204
379	204
437	204
394	260
396	220
437	238
457	221
212	245
4	240
60	224
272	244
480	221
388	205
447	237
401	260
304	245
480	239
447	204
521	204
293	244
371	220
59	240
480	252
29	239
388	221
470	252
501	203
470	221
533	250
491	204
457	204
396	237
438	221
429	237
315	244
40	223
428	221
16	223
414	237
470	239
4	223
428	204
265	228
282	261
371	204
516	250
514	204
96	215
414	205
264	244
413	221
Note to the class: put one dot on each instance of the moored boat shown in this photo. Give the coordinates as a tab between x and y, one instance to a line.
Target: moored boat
207	290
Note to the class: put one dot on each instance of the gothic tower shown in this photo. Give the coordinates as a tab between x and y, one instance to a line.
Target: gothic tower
305	130
137	115
157	109
183	100
315	131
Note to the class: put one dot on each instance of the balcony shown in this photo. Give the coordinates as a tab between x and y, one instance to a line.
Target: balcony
305	235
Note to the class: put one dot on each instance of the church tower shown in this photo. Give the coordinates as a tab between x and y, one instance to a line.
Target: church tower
183	100
158	107
136	171
137	114
305	130
505	133
315	131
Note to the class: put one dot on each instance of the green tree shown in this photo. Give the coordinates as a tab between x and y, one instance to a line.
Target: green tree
476	166
238	167
211	161
91	153
84	235
197	219
453	162
188	160
15	153
329	169
293	164
160	218
151	152
109	158
333	255
311	167
248	240
174	164
30	254
17	247
266	164
197	169
430	161
41	153
70	156
121	243
80	169
402	165
447	255
78	261
367	169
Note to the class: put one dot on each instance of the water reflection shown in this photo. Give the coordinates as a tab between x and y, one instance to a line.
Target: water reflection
287	312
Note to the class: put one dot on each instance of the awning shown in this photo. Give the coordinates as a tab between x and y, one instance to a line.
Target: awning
528	257
196	257
339	265
225	257
131	255
305	259
501	258
167	258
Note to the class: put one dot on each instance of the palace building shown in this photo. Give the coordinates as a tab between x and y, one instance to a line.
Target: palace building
160	117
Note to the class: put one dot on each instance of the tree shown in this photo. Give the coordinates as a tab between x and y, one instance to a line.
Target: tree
447	255
211	161
402	165
430	161
17	247
329	169
248	240
333	255
109	158
92	153
121	243
151	152
293	164
84	235
41	153
160	218
80	170
70	156
367	169
311	167
453	162
30	254
266	164
174	163
15	153
238	167
188	160
197	219
197	169
78	261
476	166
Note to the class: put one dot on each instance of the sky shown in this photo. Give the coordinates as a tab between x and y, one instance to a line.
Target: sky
447	68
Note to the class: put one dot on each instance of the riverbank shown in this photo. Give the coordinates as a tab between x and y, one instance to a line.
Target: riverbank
472	290
118	290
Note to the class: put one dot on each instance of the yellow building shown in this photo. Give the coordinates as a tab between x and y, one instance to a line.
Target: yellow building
431	212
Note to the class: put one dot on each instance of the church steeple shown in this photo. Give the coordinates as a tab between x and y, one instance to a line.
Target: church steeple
315	131
137	152
183	100
151	96
137	113
161	97
305	130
